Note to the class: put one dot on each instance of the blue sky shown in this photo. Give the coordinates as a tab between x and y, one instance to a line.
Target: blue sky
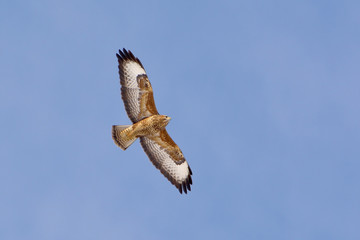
264	99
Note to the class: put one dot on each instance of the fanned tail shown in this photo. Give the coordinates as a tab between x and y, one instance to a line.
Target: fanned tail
120	137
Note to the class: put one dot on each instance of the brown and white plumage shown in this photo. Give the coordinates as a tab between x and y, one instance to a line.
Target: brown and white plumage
136	90
148	125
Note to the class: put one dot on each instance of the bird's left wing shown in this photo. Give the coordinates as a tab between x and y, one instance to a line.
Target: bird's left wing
136	90
168	158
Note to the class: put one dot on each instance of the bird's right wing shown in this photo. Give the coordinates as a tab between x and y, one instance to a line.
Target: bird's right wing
136	90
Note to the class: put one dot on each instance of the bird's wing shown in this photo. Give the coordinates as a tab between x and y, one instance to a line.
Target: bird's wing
136	90
168	158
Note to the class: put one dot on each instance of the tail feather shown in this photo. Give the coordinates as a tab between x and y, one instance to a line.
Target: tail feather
120	137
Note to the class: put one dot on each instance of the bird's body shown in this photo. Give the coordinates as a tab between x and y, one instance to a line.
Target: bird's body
148	124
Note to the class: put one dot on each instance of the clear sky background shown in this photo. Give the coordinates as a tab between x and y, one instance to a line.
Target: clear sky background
264	98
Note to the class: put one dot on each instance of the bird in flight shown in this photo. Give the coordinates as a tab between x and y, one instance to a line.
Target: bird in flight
148	125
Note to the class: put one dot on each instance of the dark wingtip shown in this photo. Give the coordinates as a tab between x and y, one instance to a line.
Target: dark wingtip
122	54
131	55
184	187
190	180
127	55
119	58
188	184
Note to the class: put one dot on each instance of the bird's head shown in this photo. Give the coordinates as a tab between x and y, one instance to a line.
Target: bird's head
163	120
159	121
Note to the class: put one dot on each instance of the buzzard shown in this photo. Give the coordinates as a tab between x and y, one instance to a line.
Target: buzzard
148	125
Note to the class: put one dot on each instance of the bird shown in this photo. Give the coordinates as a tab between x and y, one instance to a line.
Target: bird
147	124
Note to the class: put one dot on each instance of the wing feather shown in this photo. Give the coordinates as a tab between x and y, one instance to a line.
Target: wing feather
168	158
136	90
